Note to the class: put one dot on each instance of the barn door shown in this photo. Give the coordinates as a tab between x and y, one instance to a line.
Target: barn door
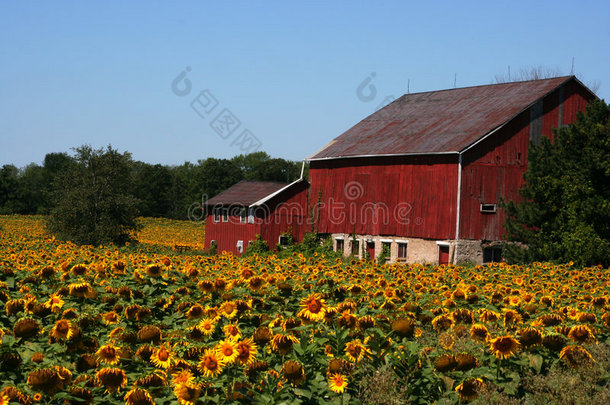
443	254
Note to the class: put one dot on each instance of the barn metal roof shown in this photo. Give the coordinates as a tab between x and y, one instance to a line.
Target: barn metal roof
246	193
435	122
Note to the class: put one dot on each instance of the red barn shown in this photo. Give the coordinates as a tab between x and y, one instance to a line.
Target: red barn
250	208
424	175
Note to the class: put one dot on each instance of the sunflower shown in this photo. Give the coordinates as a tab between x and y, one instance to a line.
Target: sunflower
108	354
504	347
210	364
15	395
466	361
55	303
187	394
403	327
291	323
195	311
206	326
462	315
487	316
256	283
227	350
154	270
150	333
479	332
62	330
246	351
113	379
313	306
293	372
511	317
365	322
183	377
26	328
162	357
84	395
4	399
81	289
37	357
347	320
445	362
442	323
262	335
232	331
49	380
138	396
79	269
111	318
468	389
155	379
337	383
228	309
85	362
355	350
581	334
529	337
576	356
554	342
283	343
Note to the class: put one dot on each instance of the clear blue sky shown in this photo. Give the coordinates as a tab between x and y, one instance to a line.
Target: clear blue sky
101	73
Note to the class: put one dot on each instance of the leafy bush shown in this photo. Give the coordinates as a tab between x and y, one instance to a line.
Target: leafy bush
257	246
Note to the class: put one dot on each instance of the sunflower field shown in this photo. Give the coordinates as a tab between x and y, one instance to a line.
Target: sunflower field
147	324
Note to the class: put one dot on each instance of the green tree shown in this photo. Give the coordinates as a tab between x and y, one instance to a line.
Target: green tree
9	183
564	211
94	202
153	187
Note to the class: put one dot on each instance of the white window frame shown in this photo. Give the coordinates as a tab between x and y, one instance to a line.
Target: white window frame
243	217
225	215
250	215
216	214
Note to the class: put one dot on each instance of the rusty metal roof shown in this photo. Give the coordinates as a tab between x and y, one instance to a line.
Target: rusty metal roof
444	121
245	193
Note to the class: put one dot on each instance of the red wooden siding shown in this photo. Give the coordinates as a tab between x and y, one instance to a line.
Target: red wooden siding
287	213
226	234
402	196
494	168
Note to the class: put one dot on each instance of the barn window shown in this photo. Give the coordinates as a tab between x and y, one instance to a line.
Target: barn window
387	246
489	208
402	251
216	214
225	215
340	246
284	240
250	215
243	217
355	247
492	254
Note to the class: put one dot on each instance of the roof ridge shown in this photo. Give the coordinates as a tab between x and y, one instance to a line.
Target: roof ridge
486	85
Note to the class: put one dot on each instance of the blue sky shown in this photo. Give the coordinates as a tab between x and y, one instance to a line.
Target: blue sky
101	73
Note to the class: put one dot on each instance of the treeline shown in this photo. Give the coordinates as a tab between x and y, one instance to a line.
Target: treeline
159	190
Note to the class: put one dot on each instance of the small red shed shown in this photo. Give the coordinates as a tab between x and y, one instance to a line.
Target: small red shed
249	208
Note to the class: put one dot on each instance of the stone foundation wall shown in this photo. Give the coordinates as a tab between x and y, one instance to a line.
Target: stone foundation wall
418	250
